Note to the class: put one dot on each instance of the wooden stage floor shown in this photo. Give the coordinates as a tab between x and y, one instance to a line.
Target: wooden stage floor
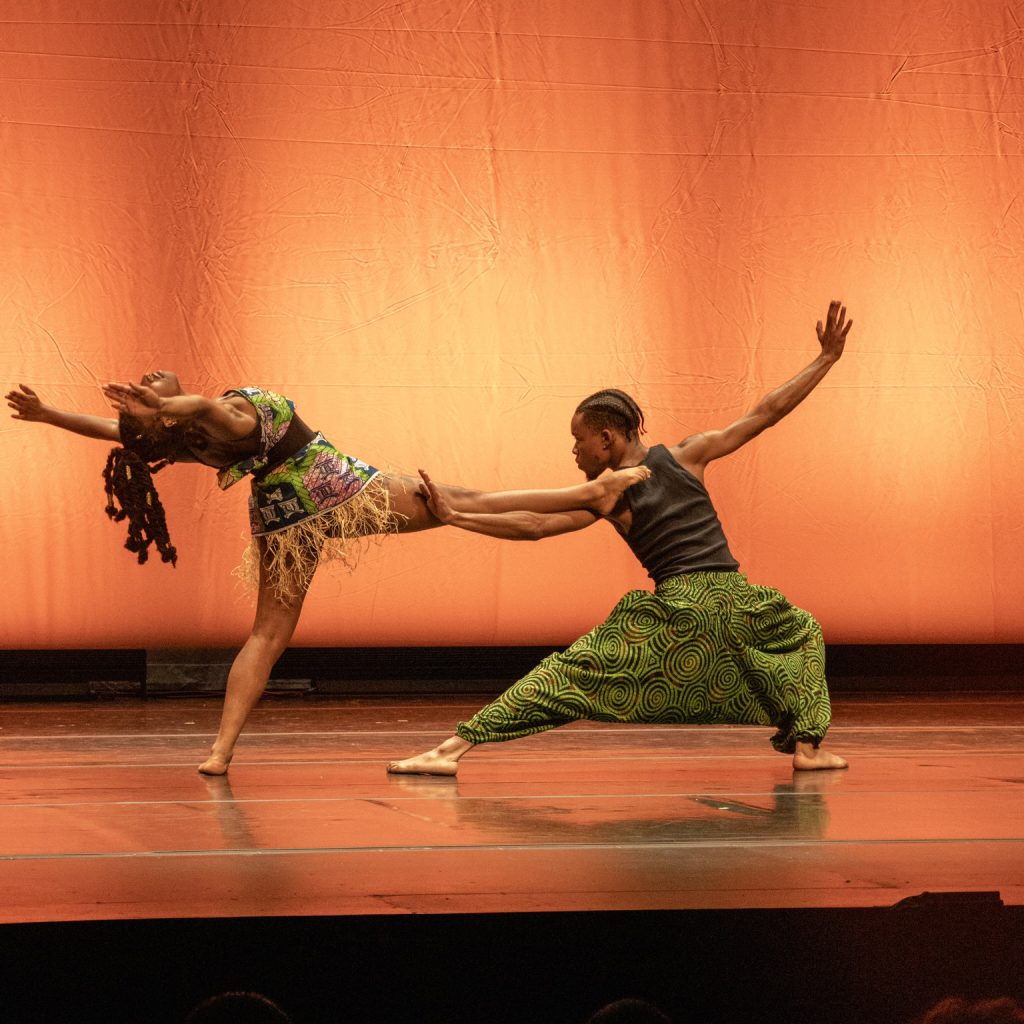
103	816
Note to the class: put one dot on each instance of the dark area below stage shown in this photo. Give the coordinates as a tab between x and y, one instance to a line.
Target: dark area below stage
713	967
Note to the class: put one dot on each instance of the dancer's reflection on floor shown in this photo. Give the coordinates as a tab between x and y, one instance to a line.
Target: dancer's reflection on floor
229	814
797	809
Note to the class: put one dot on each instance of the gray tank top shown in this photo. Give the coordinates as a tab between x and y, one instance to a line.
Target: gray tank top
675	527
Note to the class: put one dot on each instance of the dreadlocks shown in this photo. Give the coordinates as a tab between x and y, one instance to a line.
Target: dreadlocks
614	409
128	480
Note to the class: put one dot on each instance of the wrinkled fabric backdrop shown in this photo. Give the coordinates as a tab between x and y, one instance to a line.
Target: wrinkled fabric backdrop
438	225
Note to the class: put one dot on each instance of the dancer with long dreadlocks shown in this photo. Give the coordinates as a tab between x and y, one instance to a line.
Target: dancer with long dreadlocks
308	502
706	646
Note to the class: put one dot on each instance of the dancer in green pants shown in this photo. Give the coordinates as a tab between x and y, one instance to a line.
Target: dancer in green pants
706	645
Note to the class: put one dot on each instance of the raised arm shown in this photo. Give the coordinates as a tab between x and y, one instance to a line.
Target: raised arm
28	406
506	525
697	451
227	417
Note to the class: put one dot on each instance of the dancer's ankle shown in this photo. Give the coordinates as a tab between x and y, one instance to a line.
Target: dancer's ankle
216	764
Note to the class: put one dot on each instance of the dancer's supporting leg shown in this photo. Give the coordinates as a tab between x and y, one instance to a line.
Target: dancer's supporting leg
272	629
276	618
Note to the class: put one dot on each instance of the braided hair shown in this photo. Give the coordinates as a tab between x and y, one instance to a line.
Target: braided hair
128	479
612	409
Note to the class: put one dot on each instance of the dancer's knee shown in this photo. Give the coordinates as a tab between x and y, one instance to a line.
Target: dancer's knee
267	642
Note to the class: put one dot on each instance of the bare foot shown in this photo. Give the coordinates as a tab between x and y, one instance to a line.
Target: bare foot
613	485
442	760
215	764
430	763
808	758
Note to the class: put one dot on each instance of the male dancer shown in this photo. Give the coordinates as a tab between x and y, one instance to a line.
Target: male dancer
706	645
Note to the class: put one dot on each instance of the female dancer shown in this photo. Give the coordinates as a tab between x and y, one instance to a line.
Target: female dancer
308	503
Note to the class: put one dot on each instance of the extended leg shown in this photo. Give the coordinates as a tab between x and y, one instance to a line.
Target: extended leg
272	629
545	698
411	510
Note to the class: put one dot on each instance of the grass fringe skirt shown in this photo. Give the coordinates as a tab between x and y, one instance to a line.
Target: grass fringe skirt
289	557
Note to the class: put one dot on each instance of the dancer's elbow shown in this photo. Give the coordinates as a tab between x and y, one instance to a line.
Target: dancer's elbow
530	531
530	526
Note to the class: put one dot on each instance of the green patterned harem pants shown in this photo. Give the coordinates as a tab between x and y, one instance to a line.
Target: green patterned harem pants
707	647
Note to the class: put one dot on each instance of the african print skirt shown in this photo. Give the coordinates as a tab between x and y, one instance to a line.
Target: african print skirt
703	648
288	557
316	479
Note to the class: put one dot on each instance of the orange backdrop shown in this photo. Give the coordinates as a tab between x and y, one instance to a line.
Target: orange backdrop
438	225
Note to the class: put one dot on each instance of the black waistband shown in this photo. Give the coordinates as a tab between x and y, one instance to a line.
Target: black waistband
296	437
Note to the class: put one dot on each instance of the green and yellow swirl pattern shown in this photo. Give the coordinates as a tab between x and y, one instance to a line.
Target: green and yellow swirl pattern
703	648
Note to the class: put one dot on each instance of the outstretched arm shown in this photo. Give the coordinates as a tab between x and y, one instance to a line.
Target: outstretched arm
599	496
517	525
28	406
697	451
